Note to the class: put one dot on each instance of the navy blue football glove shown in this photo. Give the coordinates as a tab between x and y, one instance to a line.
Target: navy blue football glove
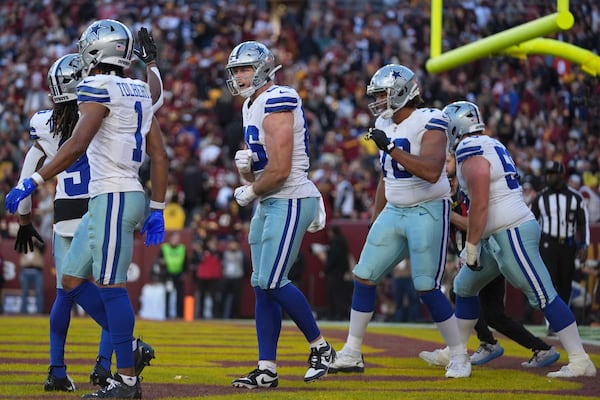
380	139
24	240
18	193
154	226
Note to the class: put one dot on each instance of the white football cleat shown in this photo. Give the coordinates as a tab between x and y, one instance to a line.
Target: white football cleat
575	368
439	357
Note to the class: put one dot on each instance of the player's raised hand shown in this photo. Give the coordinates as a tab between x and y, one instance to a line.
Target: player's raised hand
147	50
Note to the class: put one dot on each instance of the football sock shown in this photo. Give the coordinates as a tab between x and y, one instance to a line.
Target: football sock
60	318
571	341
268	324
268	365
448	330
363	306
59	371
558	314
364	297
467	313
87	295
128	380
121	320
438	305
442	314
319	343
105	349
293	301
357	330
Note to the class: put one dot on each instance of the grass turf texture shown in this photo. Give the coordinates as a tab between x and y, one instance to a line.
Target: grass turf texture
199	359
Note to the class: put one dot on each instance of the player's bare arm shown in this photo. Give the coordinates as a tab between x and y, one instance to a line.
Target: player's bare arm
460	221
430	163
279	142
476	173
159	164
154	81
380	200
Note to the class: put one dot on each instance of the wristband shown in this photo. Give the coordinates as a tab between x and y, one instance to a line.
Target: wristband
37	178
156	71
157	205
160	100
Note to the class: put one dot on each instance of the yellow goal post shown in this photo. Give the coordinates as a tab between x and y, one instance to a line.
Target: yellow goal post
518	41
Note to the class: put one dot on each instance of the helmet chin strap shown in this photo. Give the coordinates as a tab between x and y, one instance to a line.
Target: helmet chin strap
388	113
91	65
251	90
86	71
272	73
248	92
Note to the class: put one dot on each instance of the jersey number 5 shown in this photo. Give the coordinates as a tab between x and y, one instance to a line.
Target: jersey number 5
512	176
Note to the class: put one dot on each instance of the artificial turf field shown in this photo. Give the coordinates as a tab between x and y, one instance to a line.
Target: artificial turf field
199	359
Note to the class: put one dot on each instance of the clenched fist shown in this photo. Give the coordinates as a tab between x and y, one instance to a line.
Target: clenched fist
380	139
243	160
244	195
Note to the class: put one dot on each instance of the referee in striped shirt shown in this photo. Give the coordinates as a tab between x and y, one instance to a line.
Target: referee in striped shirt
564	222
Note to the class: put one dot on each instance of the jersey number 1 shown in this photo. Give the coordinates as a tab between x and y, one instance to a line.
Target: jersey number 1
137	151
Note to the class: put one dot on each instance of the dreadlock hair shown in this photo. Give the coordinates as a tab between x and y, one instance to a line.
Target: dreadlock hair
64	117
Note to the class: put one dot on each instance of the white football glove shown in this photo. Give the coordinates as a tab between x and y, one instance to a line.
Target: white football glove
244	195
319	222
470	256
243	160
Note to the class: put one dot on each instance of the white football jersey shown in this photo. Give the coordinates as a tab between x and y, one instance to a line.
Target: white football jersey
401	187
117	150
71	183
507	207
279	99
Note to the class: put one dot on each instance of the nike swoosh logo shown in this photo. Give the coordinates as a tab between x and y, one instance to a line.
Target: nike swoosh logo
422	213
263	381
86	81
143	52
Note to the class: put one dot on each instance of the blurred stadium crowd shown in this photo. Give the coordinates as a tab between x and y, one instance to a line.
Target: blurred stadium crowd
542	107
